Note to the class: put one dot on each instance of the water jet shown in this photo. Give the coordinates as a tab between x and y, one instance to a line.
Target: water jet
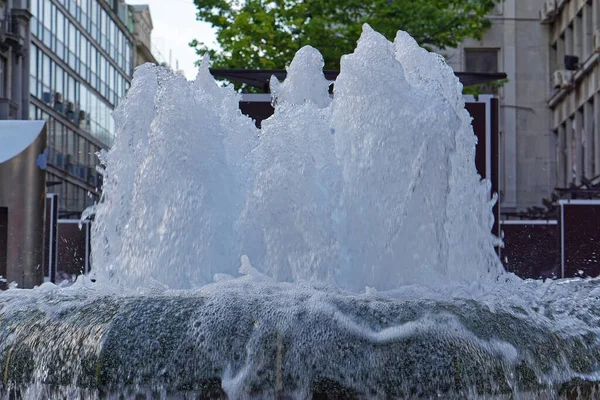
342	251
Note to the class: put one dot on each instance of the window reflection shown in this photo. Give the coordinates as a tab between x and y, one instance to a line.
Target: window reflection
83	58
82	84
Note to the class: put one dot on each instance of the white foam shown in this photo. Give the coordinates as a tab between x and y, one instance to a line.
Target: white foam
376	188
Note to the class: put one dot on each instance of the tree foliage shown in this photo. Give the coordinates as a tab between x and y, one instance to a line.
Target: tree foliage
264	34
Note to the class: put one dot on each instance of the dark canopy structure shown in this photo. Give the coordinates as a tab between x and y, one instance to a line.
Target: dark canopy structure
259	78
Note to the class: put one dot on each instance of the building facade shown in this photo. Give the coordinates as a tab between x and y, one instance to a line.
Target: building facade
81	62
574	29
549	108
518	44
142	32
14	59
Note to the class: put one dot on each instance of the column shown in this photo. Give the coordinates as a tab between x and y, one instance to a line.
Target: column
596	117
509	64
588	31
569	152
569	42
561	154
578	162
588	140
596	14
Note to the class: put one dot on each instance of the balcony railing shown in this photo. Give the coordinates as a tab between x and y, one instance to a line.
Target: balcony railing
9	25
10	32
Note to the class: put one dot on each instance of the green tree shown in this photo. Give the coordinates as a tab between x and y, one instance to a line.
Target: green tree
265	34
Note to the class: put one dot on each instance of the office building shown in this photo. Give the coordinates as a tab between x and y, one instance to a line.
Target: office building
574	29
517	44
81	62
14	65
549	134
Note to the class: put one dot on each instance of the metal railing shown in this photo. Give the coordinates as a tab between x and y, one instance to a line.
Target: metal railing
7	24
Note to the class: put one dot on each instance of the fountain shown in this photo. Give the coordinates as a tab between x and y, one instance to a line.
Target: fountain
342	251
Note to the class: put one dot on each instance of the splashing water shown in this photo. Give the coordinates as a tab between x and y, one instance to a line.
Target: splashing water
374	191
376	187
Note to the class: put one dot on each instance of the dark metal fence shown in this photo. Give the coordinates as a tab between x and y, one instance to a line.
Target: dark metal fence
531	248
580	238
566	247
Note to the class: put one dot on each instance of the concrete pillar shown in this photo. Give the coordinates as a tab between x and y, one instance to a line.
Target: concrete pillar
588	29
596	14
577	38
569	152
8	77
509	64
569	49
17	83
588	140
561	155
25	67
578	146
596	132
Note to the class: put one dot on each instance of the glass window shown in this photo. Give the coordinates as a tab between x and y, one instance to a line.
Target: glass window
92	108
60	27
60	85
52	76
128	58
120	38
73	8
32	87
111	33
481	60
94	66
71	89
111	76
34	26
51	34
484	61
102	68
84	51
46	72
119	86
72	38
71	147
47	15
84	98
35	69
32	63
77	86
59	139
101	22
60	49
83	152
94	13
34	8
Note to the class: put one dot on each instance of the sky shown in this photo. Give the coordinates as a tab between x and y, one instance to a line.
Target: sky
175	26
